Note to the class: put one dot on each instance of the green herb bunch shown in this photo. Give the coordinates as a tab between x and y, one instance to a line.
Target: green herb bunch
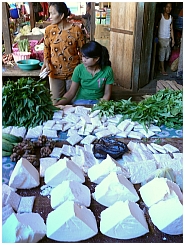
163	108
26	103
24	45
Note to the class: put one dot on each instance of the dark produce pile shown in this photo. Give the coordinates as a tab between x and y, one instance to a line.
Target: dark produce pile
109	146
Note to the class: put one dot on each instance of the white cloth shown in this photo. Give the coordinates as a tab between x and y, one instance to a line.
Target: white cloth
164	27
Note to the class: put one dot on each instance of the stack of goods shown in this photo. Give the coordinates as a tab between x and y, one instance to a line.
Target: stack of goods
65	174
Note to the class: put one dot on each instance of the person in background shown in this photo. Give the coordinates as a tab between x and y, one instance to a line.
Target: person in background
92	80
86	18
37	9
45	8
165	36
62	43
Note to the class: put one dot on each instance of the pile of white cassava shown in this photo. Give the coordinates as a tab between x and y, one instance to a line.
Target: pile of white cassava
157	168
80	122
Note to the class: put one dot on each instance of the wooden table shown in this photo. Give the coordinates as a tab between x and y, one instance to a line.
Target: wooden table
15	71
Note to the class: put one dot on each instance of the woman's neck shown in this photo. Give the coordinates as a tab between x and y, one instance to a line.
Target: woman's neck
93	69
64	24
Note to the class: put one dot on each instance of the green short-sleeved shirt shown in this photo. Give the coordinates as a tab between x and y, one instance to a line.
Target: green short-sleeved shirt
92	87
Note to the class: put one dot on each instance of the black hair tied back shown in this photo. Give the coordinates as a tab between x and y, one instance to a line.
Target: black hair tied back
61	8
94	49
105	56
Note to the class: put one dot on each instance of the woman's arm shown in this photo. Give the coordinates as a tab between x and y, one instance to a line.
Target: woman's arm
69	95
47	51
107	92
172	33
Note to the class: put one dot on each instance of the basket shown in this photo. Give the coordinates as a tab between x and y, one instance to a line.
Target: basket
21	56
31	42
39	55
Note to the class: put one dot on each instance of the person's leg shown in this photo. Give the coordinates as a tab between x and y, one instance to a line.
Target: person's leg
85	102
168	49
162	51
57	88
68	84
162	68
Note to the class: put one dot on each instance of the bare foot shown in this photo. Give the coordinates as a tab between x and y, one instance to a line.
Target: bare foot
164	73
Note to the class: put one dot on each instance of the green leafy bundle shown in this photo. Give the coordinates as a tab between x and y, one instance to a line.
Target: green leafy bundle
163	108
26	103
23	45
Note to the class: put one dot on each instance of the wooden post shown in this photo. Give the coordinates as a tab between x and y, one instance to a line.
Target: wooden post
6	29
32	16
180	65
92	31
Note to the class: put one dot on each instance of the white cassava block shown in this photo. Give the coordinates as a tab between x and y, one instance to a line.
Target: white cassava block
6	212
45	163
26	204
167	216
23	228
140	170
77	224
63	169
170	148
128	223
159	189
70	190
174	163
24	175
34	132
115	188
123	125
36	222
99	171
15	232
10	197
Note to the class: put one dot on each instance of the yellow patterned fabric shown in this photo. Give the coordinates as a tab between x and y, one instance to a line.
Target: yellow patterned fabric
61	48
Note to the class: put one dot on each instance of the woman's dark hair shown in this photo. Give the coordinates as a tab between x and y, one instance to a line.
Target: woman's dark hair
61	8
94	49
89	4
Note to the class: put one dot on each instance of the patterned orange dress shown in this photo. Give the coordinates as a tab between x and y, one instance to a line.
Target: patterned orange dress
61	48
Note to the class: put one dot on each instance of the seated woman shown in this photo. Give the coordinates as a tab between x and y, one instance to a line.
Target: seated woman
92	80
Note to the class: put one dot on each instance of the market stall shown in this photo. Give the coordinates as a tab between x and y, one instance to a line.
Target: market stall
109	151
69	136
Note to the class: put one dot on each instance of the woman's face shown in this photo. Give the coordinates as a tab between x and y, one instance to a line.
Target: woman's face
55	17
88	62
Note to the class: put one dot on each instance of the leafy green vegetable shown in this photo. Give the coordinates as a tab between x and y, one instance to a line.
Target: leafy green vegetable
26	102
163	108
23	45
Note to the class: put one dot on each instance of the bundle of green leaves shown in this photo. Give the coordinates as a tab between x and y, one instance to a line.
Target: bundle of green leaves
163	108
26	103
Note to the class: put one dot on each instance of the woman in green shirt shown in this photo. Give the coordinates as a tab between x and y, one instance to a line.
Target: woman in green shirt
92	80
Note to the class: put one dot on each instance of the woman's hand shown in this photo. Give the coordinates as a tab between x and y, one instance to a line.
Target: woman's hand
45	65
69	95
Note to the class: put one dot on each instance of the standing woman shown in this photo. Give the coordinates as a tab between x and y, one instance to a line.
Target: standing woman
62	42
